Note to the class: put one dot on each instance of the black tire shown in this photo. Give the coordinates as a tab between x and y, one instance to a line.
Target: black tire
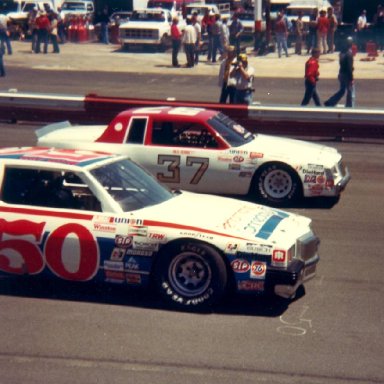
277	184
190	276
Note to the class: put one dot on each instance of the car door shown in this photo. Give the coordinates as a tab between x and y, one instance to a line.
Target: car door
183	155
45	228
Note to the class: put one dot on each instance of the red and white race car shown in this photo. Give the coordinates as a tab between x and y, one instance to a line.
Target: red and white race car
85	216
205	151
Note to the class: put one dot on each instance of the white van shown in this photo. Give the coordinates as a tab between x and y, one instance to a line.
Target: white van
77	7
40	5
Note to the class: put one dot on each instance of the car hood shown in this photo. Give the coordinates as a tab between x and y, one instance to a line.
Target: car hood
214	215
293	151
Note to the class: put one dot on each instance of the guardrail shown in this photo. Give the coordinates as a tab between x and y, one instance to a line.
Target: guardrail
278	120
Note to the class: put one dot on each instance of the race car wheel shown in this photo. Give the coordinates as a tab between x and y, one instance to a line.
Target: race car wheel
277	184
191	276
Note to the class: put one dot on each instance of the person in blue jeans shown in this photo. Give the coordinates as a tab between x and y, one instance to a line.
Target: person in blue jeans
345	77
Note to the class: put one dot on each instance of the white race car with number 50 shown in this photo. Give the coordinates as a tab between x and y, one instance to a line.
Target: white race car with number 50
85	216
205	151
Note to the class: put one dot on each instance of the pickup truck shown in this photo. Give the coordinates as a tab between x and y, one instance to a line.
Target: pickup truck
148	26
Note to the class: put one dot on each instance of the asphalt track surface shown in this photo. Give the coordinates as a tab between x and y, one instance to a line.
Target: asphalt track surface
66	333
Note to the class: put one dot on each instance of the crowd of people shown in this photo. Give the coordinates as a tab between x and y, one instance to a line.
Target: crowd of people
222	44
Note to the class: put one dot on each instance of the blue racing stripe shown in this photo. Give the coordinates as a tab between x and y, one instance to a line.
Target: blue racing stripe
270	225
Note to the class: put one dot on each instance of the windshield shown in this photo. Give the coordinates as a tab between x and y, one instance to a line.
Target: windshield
160	4
232	132
73	6
130	186
147	16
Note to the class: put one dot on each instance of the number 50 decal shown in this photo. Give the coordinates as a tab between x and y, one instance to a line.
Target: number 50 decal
174	168
21	254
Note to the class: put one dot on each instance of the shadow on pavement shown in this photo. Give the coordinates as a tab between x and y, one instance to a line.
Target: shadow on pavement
41	288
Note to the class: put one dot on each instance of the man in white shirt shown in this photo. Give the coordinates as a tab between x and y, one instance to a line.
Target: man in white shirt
189	41
4	33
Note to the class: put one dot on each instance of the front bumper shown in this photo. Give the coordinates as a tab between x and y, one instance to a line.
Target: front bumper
340	186
285	282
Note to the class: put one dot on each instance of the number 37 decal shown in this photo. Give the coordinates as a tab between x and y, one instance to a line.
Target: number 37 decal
173	169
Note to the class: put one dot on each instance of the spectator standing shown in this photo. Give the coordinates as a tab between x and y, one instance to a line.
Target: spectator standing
4	33
361	27
378	22
61	27
322	31
299	30
2	51
235	31
345	77
104	23
224	35
331	30
43	26
227	83
244	75
216	36
206	27
197	26
311	78
54	32
32	27
189	40
312	31
176	41
281	33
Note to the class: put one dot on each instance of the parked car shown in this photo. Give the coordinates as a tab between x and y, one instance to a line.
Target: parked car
77	8
83	216
205	151
149	26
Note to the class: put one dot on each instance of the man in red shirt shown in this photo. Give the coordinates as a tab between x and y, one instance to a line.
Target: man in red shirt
43	27
322	31
176	41
311	78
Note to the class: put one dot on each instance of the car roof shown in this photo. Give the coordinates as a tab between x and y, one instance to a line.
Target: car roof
182	112
56	156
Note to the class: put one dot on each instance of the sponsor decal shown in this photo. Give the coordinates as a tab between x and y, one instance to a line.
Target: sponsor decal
197	235
279	256
132	264
238	152
310	179
137	231
231	248
112	265
157	236
238	159
234	167
313	169
320	179
224	158
257	286
258	270
133	278
168	290
245	174
181	152
139	252
118	254
125	220
123	241
114	276
103	219
256	155
145	245
259	249
240	266
101	227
